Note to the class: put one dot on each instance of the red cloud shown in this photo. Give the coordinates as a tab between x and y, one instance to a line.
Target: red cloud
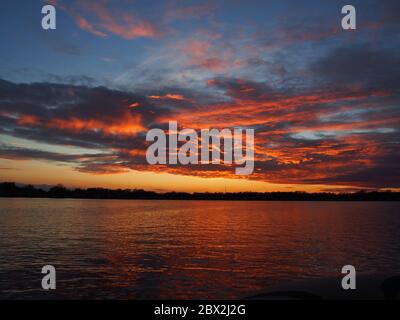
104	20
85	25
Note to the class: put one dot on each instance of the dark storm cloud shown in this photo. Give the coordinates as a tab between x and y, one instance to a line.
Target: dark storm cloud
360	66
10	152
245	89
73	115
77	80
59	100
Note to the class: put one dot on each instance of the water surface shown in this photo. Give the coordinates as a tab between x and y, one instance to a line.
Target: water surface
145	249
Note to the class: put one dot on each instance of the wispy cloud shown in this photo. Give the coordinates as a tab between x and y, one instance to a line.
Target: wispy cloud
102	19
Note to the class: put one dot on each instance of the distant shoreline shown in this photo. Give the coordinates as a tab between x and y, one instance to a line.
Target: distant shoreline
11	190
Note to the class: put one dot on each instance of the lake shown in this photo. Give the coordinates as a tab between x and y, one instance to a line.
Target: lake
145	249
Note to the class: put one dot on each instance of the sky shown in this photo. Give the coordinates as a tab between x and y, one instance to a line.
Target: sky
76	102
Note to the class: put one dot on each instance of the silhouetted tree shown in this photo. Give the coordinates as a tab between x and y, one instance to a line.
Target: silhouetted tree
10	189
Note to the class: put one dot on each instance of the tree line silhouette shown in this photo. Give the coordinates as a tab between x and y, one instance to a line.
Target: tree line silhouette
10	189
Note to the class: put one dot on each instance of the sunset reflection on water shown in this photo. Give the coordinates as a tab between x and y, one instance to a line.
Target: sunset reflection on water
187	249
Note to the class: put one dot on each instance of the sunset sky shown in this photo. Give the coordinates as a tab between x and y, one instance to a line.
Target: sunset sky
76	102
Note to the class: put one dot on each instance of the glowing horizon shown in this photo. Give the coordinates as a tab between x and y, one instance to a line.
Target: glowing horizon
324	102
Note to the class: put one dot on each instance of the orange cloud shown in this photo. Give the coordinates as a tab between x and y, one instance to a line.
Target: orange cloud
168	96
28	120
130	125
85	25
134	105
